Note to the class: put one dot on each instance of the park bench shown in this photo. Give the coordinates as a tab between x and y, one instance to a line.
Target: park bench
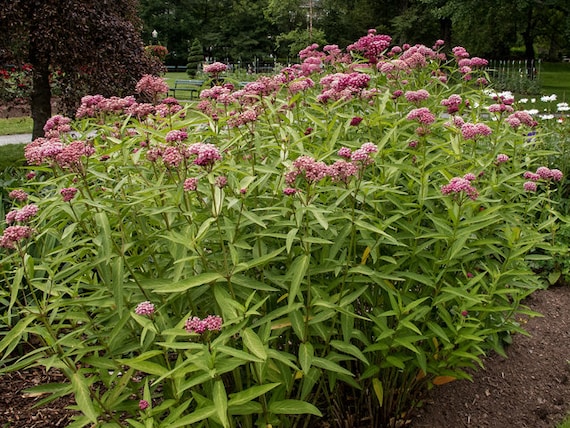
189	87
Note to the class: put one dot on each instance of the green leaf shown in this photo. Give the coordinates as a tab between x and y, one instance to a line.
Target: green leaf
14	336
331	366
253	343
349	349
293	407
299	269
186	284
243	397
196	416
306	354
221	402
290	238
378	390
83	396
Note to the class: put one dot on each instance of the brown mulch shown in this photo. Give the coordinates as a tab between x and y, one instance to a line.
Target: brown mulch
529	389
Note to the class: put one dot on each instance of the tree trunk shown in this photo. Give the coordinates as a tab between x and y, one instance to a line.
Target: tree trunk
41	99
528	40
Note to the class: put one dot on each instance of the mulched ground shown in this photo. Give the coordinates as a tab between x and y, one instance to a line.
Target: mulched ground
529	389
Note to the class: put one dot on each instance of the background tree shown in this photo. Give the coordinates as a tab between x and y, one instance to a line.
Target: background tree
195	58
95	45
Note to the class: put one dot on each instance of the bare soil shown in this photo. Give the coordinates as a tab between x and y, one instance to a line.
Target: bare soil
528	389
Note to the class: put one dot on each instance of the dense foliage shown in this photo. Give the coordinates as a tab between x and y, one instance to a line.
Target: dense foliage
328	241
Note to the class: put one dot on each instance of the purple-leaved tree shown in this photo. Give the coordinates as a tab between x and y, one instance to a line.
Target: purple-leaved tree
94	45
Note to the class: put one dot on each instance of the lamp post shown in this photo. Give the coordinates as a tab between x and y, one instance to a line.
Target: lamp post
154	35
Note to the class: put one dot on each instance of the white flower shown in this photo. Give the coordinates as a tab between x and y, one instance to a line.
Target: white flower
523	100
532	111
546	116
547	98
533	100
562	107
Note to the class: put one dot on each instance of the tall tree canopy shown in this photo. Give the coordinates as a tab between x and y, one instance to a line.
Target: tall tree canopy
95	45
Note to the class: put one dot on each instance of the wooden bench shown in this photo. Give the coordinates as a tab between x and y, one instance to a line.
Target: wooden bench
190	87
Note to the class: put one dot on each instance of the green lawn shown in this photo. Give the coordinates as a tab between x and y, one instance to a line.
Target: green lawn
16	125
555	79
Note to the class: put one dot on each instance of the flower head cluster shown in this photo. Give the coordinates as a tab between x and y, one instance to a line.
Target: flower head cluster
215	68
68	193
42	150
145	308
18	195
57	125
519	118
94	105
13	235
452	103
371	46
176	136
502	158
416	96
190	184
197	325
471	131
151	85
544	173
308	167
70	155
458	185
423	115
206	154
23	215
339	86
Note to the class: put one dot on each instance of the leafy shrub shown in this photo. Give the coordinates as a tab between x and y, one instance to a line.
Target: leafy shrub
330	241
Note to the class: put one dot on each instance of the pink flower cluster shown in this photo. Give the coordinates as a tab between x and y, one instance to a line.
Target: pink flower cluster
144	308
151	85
57	125
68	193
206	154
502	158
500	108
423	115
459	185
339	86
544	173
416	96
197	325
18	195
471	131
176	136
452	103
341	170
95	105
22	215
13	235
190	184
52	150
215	68
372	46
519	118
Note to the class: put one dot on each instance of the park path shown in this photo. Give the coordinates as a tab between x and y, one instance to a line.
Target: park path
15	139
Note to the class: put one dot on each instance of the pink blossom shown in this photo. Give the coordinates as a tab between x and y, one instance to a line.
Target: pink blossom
472	131
172	156
422	115
190	184
18	195
176	136
151	85
221	181
342	170
144	308
531	176
355	121
206	154
371	46
68	193
215	68
143	404
452	103
70	156
289	191
469	176
23	215
344	152
459	185
520	117
417	96
57	125
14	234
210	323
502	158
530	186
310	169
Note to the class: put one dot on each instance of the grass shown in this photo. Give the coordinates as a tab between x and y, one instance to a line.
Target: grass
11	155
16	125
555	79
